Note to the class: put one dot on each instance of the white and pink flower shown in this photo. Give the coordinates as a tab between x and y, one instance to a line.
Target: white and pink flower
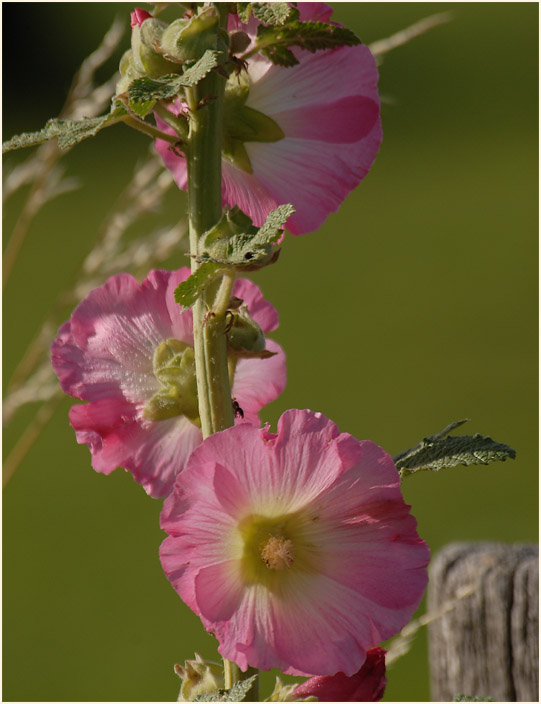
322	137
127	349
296	549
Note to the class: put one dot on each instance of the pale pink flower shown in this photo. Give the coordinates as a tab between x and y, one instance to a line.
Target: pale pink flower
106	354
367	685
327	107
296	549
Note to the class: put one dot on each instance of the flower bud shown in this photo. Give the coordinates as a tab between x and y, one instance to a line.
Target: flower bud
146	47
244	334
138	16
188	39
199	677
367	685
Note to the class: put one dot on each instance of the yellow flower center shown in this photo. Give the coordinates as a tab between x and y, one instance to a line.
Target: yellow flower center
278	552
276	549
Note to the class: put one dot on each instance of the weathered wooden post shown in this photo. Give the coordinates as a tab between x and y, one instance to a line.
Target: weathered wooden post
486	642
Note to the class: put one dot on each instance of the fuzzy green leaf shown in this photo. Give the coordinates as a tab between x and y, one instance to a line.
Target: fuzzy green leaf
187	292
311	36
68	132
274	13
237	693
144	93
439	451
281	56
199	70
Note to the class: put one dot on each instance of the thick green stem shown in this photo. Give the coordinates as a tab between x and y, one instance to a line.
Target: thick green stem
204	155
204	160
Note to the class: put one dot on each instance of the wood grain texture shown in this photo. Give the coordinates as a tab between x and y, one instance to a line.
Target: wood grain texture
487	645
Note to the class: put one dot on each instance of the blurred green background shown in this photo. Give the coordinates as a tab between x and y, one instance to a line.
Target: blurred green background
414	306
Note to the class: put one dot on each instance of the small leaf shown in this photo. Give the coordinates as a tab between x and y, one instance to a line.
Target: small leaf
466	698
273	41
281	56
274	13
68	132
439	451
272	227
187	292
200	69
144	93
237	693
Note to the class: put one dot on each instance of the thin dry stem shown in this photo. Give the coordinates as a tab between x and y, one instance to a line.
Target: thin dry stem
383	46
109	256
29	436
82	101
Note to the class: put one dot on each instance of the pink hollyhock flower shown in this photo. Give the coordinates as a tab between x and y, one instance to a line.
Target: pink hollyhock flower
367	685
296	549
128	349
321	139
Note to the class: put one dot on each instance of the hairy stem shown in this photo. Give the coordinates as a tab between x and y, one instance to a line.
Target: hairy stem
204	157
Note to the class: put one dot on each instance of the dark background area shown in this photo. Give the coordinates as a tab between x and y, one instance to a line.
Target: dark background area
414	306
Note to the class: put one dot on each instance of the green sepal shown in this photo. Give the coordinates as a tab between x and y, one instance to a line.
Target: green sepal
237	693
144	93
68	132
235	152
199	677
441	450
250	125
273	42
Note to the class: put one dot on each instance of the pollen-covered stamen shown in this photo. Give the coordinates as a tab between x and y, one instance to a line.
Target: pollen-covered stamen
277	552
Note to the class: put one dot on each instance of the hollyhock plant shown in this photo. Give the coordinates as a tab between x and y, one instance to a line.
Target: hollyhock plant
305	134
296	549
367	685
128	350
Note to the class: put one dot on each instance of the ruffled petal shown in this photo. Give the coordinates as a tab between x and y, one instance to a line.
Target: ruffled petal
263	312
154	453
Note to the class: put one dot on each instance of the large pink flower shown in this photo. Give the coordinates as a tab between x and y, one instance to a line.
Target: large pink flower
296	549
127	349
329	130
367	685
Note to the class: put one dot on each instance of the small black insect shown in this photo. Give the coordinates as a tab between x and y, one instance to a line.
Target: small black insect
239	413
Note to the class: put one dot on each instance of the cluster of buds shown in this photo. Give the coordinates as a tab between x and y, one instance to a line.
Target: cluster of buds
159	49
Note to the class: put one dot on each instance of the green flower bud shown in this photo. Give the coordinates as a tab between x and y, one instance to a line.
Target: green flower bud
188	39
199	677
146	47
127	72
244	334
174	368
